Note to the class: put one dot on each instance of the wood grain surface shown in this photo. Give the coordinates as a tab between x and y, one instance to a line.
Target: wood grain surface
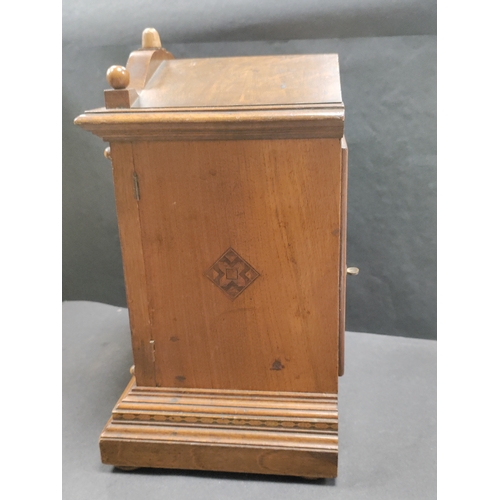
230	181
239	431
278	205
207	124
243	81
260	97
133	261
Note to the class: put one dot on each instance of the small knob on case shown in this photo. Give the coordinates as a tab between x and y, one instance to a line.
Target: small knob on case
354	271
118	77
151	39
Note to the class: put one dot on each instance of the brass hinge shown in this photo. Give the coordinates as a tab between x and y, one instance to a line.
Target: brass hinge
137	193
152	344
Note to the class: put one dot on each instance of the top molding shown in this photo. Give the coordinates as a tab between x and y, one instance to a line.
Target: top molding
260	97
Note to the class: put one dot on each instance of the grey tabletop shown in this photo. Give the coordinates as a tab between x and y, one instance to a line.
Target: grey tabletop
387	422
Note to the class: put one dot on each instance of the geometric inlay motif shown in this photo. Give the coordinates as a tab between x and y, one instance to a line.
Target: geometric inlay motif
232	273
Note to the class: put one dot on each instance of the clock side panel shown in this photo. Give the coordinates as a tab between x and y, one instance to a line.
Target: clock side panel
241	257
133	261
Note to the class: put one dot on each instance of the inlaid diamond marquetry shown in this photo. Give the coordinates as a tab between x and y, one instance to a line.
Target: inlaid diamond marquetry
232	273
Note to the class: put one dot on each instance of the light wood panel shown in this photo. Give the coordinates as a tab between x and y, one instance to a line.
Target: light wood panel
240	81
278	205
133	262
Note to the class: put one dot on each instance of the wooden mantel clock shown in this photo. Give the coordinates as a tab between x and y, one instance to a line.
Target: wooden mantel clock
230	179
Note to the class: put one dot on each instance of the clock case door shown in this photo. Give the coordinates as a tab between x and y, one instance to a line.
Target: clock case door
276	206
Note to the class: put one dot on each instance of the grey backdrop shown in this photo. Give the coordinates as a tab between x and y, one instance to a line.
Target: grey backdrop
387	51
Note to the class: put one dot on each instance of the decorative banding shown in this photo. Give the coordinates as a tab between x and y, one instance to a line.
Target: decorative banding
224	421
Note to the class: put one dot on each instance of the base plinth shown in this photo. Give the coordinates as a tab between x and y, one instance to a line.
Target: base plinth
223	430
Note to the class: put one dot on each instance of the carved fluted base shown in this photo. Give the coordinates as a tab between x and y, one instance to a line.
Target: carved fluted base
223	430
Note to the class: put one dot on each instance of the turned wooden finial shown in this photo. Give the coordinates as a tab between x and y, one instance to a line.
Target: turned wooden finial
118	77
151	39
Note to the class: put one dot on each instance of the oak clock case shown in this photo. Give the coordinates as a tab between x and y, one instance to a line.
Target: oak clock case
230	180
